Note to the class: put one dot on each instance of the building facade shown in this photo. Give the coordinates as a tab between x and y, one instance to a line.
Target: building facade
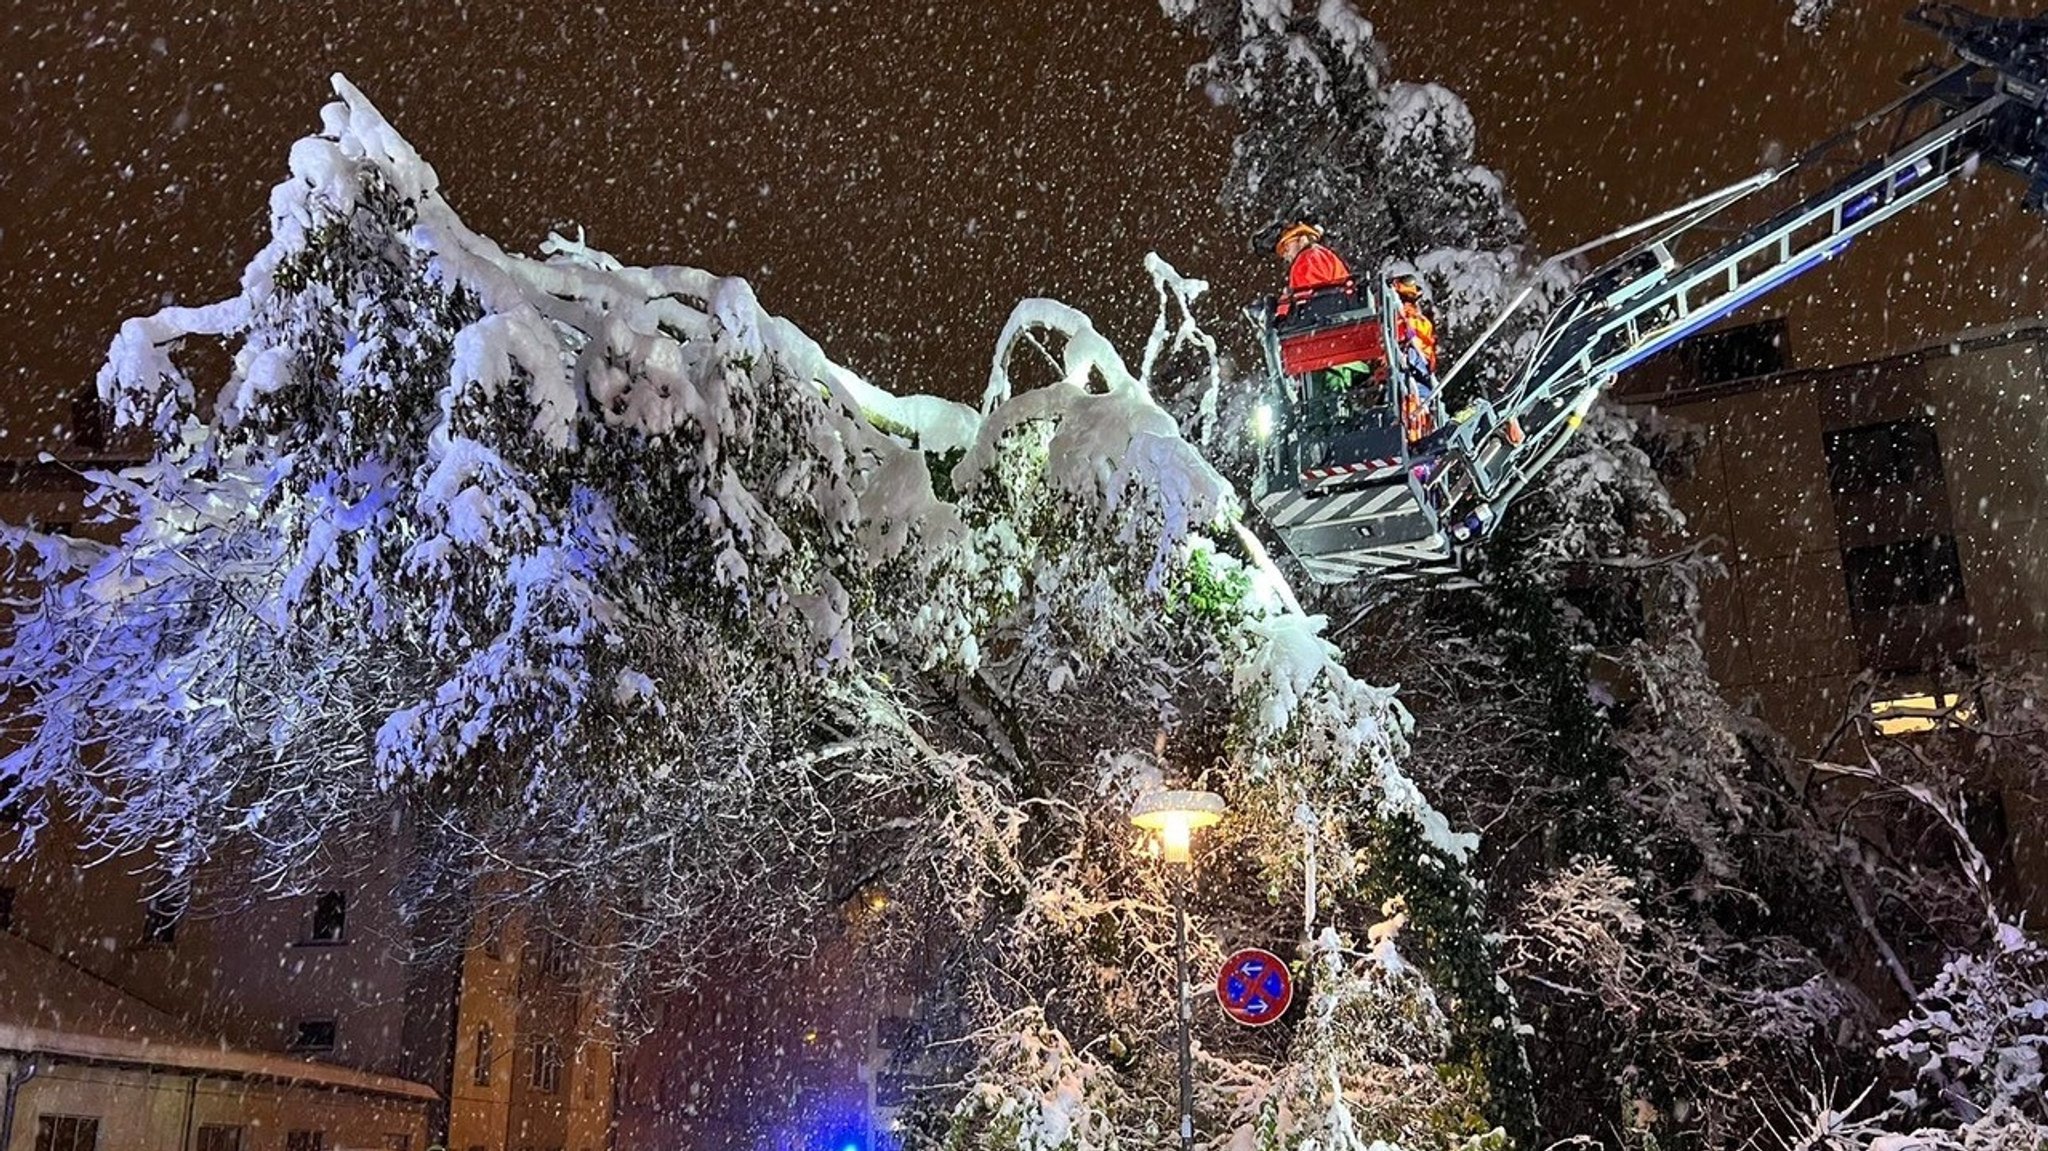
223	1017
219	1020
1881	526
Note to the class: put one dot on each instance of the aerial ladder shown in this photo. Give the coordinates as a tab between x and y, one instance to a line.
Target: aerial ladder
1352	497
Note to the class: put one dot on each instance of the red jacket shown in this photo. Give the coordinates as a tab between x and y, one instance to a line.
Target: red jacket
1315	267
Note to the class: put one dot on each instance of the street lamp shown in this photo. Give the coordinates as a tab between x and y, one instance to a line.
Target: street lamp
1175	815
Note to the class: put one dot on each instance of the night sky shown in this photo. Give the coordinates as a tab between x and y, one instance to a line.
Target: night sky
894	176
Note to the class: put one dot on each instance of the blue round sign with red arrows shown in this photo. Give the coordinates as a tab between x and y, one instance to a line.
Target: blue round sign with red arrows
1254	987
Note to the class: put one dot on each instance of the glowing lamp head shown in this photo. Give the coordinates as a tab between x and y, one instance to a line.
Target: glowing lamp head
1262	423
1175	815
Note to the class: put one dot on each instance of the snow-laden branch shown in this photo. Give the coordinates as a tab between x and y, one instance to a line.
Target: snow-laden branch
606	593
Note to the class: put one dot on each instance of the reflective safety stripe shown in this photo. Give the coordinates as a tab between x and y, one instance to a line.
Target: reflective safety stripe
1308	474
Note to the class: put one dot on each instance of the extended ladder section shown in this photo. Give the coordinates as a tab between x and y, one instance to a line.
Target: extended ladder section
1687	276
1649	301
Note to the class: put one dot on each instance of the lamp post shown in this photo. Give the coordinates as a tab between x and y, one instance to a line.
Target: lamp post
1175	815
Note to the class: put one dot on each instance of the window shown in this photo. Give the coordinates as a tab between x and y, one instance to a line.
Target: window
1737	353
305	1141
397	1141
485	1041
547	1067
1899	454
67	1133
330	918
554	960
6	909
1924	570
315	1035
1911	714
160	916
494	933
89	420
215	1137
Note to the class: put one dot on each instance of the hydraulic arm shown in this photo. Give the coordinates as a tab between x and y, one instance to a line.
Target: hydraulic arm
1688	274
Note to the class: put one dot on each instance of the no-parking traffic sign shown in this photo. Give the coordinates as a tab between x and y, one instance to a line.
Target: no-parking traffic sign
1254	987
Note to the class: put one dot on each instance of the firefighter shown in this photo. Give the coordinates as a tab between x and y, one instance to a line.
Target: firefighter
1311	267
1415	336
1417	324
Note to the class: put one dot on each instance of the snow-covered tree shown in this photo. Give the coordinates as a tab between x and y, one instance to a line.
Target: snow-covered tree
1651	852
1386	166
624	602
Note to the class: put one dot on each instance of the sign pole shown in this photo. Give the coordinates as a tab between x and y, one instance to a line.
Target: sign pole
1187	1058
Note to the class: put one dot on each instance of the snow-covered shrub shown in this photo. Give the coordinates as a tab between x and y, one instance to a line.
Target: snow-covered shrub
1033	1092
1362	1072
1977	1038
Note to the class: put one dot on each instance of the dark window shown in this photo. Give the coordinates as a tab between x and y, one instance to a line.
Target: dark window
6	909
1985	822
67	1133
555	960
397	1141
160	916
1916	571
485	1041
305	1141
215	1137
1900	454
89	421
547	1067
494	933
330	917
1737	353
314	1035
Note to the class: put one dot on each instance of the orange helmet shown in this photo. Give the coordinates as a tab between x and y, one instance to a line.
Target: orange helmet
1299	230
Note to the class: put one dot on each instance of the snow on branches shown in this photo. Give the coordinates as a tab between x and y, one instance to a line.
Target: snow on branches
604	590
1978	1035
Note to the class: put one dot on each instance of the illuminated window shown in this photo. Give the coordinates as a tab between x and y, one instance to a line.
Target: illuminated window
1910	714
